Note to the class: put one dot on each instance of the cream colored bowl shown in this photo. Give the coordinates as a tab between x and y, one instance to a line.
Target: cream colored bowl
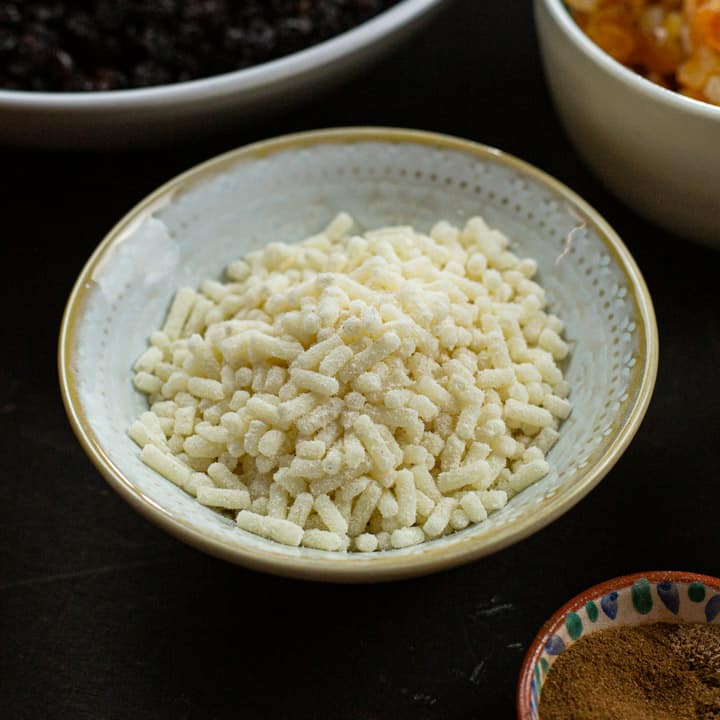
287	188
657	150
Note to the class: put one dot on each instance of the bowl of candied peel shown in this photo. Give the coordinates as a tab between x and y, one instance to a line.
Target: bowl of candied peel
399	352
637	85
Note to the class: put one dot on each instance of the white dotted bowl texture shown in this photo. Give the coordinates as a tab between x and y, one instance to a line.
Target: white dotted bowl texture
289	188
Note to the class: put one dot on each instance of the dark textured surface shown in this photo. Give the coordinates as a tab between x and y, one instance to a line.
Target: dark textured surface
104	616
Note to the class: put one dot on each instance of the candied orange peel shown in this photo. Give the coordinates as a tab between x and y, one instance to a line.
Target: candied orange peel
674	43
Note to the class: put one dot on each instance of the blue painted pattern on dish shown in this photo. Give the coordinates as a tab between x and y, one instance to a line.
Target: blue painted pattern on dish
712	609
609	605
669	595
555	645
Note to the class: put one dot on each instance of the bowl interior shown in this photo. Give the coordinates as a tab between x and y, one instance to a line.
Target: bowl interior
649	598
290	188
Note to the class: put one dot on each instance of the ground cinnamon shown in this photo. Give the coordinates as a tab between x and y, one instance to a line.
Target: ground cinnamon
649	672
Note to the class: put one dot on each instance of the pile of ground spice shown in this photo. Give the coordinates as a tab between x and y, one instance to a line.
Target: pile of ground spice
649	672
115	44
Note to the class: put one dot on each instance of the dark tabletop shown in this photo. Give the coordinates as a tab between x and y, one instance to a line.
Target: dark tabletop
104	616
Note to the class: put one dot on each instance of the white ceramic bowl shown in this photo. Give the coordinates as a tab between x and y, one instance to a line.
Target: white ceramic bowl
657	150
170	112
288	188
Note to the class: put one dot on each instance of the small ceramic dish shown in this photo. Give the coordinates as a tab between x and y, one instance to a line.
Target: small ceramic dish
287	189
167	113
629	600
656	149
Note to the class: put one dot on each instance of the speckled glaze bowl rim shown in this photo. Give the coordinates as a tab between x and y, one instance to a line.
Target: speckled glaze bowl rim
606	62
551	626
378	566
237	81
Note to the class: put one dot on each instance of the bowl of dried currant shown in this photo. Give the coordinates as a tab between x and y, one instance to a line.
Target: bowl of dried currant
644	646
102	74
